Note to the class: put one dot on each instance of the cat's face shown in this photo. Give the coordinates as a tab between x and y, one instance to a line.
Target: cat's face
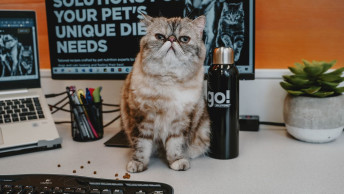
172	47
233	12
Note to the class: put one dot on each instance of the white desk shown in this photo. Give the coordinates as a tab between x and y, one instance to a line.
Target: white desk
270	161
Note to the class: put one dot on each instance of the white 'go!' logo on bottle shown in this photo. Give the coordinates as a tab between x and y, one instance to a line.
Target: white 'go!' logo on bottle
219	99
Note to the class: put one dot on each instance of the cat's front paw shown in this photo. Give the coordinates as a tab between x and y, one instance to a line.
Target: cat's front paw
135	166
181	164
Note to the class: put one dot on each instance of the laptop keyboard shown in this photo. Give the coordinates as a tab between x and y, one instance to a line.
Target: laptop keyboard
23	109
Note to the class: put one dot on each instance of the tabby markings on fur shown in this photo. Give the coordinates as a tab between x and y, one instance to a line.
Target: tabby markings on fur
162	102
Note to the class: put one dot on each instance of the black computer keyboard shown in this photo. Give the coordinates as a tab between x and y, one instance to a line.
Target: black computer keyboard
46	183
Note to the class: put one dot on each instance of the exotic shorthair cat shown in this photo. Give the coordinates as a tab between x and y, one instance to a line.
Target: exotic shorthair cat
162	104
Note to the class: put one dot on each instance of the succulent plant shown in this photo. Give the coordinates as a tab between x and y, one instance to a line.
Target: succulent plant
312	79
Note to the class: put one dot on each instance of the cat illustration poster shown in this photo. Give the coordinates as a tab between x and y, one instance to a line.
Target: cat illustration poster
100	39
230	23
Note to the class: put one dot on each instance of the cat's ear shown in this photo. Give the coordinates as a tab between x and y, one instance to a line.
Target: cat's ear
147	20
199	22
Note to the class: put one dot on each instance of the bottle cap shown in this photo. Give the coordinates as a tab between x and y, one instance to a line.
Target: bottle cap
223	55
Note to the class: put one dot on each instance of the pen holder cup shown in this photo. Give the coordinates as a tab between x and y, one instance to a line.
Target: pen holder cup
87	121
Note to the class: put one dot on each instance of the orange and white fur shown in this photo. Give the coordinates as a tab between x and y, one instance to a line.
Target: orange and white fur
162	103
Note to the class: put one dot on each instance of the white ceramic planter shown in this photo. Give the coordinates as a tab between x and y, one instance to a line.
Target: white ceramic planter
315	120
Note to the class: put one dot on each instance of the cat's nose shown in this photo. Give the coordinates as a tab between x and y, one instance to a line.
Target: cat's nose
172	38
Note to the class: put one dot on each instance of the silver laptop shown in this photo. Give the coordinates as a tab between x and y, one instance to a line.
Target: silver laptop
26	124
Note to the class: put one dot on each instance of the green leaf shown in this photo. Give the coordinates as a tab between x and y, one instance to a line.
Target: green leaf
337	72
331	78
299	66
297	80
295	93
312	89
288	86
339	90
307	63
328	65
298	69
313	71
322	94
328	84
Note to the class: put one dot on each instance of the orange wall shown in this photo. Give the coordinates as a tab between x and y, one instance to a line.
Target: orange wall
286	31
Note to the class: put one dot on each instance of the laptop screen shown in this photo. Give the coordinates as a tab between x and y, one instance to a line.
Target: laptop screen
19	64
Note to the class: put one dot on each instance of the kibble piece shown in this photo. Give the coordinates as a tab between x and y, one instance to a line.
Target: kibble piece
81	167
95	172
59	165
116	175
74	171
126	176
88	162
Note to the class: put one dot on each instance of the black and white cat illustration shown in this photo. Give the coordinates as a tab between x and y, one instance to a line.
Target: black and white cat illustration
231	28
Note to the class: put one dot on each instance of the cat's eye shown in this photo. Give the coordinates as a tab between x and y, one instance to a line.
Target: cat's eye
184	39
160	37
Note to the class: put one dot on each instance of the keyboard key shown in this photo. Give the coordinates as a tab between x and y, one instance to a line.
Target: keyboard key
7	120
18	187
158	192
37	103
94	191
28	188
23	118
7	187
57	190
80	190
117	191
30	107
69	190
39	108
31	117
31	113
106	191
9	102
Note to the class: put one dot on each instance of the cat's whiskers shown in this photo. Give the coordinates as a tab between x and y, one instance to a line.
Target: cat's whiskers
163	50
177	48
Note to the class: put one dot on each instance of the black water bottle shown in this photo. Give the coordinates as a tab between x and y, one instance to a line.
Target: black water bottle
223	105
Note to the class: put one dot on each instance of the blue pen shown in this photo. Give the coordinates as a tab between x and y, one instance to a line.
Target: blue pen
88	96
